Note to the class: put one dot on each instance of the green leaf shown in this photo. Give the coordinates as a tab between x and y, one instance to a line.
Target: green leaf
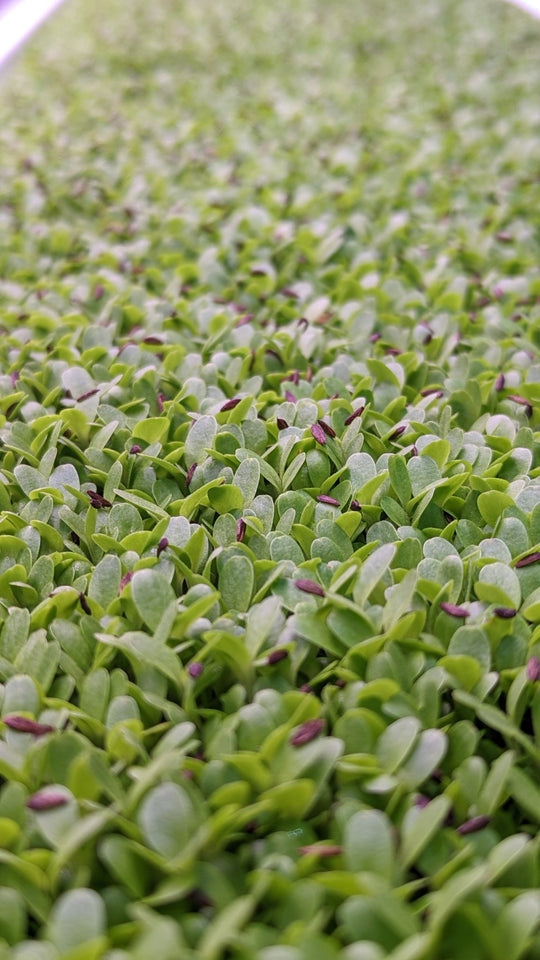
425	758
526	792
29	479
492	504
531	607
236	581
78	916
471	642
74	839
20	695
53	824
119	856
200	438
505	855
496	719
157	936
12	916
152	595
420	826
105	581
399	478
95	693
371	571
167	819
495	789
223	929
368	844
466	670
361	468
290	801
457	889
499	584
144	650
143	503
423	471
153	430
226	498
397	742
247	478
516	924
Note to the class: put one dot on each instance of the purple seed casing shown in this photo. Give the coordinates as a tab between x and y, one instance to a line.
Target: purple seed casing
276	656
526	561
309	586
306	732
240	530
352	416
318	434
329	431
473	825
322	849
533	669
25	725
97	500
46	799
162	545
453	610
230	404
84	603
189	474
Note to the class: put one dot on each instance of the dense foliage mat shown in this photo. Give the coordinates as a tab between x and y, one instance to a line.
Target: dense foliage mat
270	483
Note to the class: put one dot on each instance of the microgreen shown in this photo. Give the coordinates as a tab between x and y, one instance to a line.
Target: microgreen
269	484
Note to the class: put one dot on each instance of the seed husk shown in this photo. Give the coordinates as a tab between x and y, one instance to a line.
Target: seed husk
84	603
25	725
230	404
318	434
275	656
162	545
308	731
189	474
240	530
531	558
533	669
473	825
97	500
322	849
453	610
329	431
127	578
309	586
46	800
352	416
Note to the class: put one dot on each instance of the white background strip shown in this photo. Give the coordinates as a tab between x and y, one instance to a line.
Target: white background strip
19	18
